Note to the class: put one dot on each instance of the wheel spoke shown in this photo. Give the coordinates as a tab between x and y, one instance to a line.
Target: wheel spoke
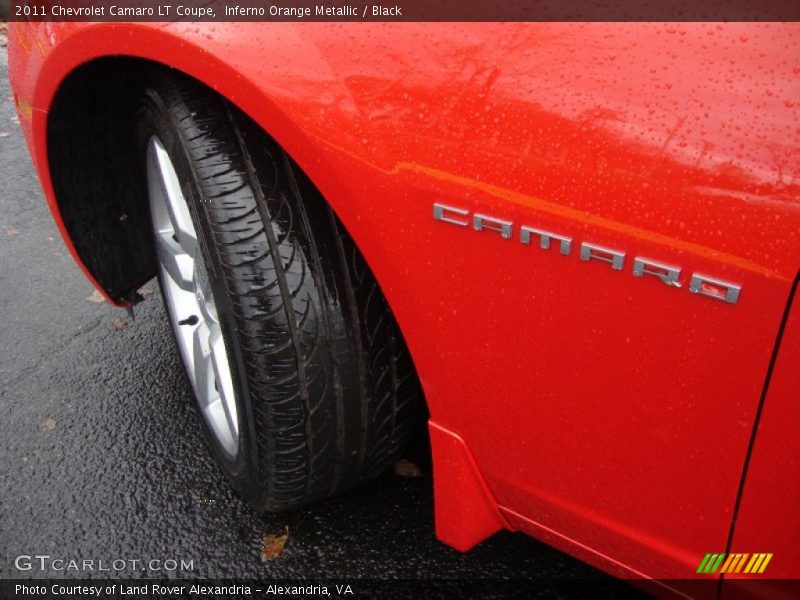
222	373
203	369
177	263
177	206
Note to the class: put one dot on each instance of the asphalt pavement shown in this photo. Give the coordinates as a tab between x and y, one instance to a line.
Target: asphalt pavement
102	455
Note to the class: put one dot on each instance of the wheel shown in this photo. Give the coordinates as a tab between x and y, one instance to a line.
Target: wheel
297	366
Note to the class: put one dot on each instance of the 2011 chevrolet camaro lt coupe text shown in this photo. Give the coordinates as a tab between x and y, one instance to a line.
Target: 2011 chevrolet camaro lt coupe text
572	248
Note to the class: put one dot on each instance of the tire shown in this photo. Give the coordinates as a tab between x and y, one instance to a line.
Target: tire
320	388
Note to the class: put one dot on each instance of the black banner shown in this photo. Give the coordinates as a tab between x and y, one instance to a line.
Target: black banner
404	10
341	589
388	589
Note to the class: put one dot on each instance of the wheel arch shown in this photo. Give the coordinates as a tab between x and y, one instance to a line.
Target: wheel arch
85	92
111	61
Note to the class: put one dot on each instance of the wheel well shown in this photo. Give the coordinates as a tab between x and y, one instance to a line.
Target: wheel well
97	175
99	181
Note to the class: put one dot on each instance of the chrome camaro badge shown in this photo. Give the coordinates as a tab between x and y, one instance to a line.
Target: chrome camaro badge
702	285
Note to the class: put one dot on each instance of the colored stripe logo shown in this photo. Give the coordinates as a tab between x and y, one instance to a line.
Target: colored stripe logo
735	563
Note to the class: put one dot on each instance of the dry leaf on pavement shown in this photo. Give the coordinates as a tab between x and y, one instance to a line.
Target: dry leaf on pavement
117	325
96	297
272	545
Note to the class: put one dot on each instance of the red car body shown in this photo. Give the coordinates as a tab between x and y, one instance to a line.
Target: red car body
635	425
